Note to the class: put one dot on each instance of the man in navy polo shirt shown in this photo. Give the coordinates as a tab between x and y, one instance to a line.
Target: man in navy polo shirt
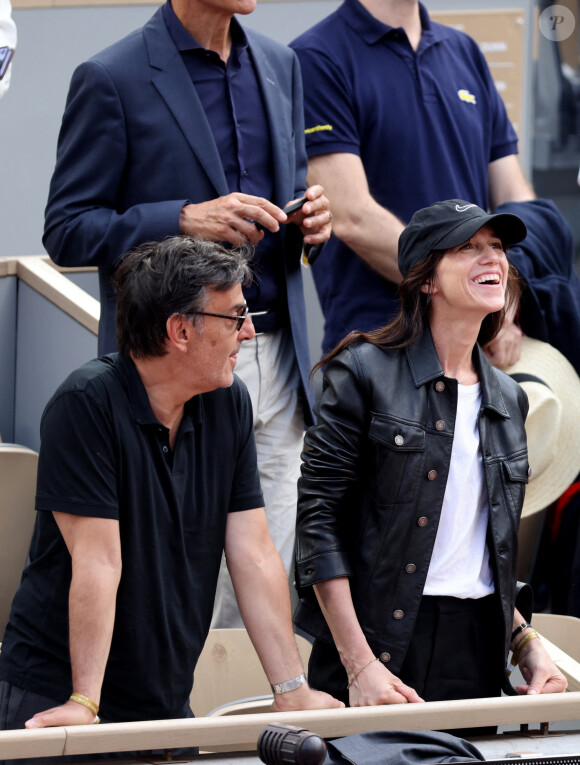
194	125
147	472
401	112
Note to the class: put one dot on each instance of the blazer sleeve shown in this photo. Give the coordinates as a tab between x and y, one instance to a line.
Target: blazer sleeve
84	224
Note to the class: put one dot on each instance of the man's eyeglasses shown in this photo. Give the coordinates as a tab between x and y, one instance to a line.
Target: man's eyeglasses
240	318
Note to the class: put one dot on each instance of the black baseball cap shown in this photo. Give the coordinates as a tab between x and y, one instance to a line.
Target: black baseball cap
449	224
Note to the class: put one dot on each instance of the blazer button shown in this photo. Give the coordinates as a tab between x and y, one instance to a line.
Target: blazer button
439	386
399	440
440	425
398	614
385	657
410	568
422	521
432	475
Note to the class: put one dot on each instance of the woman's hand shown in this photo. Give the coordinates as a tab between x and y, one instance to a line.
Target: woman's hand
376	685
539	671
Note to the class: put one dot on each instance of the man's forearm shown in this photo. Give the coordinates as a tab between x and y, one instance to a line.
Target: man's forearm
261	588
359	221
92	600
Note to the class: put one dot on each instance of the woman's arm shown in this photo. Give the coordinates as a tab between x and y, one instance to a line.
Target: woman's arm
539	671
370	682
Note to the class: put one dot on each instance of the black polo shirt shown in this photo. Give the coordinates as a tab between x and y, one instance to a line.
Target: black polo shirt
104	454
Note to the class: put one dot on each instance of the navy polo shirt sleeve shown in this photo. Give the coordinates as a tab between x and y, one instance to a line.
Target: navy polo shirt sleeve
329	116
246	489
77	470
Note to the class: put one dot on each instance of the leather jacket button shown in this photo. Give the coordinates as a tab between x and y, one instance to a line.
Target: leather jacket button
439	386
399	440
410	568
440	425
309	570
385	657
398	614
422	521
432	475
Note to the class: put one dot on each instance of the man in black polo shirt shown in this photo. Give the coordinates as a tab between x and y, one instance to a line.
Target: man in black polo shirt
147	472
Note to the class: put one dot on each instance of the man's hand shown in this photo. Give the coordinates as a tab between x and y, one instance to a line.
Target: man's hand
314	217
539	671
376	685
70	713
232	218
506	347
304	698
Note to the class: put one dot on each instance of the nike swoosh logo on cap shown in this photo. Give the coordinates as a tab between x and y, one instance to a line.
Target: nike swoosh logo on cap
463	208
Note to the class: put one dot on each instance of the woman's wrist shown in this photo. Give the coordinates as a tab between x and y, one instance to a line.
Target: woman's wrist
519	634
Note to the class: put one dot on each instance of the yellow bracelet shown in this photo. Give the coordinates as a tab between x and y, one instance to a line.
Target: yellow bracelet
359	670
518	649
85	701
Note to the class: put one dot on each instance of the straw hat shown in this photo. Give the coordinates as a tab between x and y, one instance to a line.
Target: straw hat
553	422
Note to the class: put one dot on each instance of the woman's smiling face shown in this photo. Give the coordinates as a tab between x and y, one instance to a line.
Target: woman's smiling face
472	277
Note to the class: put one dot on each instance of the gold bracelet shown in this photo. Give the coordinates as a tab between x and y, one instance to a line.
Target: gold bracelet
518	649
86	702
359	670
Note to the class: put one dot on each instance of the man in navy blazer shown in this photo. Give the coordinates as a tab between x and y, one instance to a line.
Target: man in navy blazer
194	125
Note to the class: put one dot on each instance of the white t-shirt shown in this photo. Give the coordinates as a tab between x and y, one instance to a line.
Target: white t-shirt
460	562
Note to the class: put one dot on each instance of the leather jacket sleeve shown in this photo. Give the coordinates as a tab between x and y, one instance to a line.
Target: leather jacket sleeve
333	449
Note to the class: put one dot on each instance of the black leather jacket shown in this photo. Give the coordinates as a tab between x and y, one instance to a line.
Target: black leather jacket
373	479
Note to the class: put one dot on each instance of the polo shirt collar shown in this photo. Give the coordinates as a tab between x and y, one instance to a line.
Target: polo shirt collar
139	400
372	30
185	42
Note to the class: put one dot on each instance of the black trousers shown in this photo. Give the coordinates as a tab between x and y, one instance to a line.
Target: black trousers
456	652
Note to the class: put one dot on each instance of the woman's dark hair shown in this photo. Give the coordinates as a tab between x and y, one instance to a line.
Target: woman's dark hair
409	324
159	279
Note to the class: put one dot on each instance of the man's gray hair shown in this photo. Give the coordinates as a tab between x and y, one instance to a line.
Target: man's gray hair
159	279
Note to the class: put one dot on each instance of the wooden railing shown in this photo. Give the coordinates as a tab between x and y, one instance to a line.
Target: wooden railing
40	273
233	732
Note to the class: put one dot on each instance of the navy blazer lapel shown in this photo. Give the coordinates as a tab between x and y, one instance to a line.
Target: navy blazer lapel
174	85
270	86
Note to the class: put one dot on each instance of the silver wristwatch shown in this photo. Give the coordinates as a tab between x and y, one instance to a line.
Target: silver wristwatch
290	685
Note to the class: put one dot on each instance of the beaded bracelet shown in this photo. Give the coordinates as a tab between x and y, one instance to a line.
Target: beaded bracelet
85	702
359	670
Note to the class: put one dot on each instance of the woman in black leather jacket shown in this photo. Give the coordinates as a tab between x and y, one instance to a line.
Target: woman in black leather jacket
413	483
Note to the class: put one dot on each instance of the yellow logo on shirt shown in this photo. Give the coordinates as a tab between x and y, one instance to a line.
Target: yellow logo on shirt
466	96
317	129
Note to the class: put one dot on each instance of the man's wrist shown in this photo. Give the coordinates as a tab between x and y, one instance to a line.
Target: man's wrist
289	685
